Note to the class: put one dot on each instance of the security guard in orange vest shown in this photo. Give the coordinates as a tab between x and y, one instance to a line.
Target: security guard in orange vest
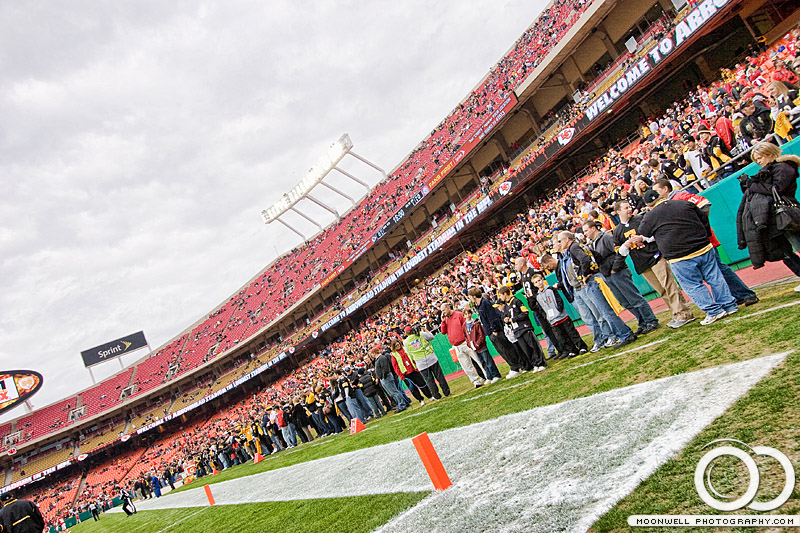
20	516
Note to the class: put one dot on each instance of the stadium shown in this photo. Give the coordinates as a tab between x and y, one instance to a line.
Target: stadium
241	422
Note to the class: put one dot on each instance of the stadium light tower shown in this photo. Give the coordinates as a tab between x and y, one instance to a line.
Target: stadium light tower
316	176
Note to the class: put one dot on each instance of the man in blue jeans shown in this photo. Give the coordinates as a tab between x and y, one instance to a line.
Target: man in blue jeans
385	374
683	236
740	291
589	298
618	276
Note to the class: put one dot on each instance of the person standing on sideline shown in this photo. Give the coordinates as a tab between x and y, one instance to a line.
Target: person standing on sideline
650	264
417	345
476	339
744	295
156	482
492	322
612	330
453	324
566	337
406	369
618	277
525	272
94	510
20	516
683	236
516	315
766	241
387	379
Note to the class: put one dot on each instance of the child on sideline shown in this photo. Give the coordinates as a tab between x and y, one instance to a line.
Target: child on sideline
568	340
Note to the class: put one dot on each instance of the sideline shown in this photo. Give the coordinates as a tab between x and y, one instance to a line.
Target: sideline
567	369
790	304
414	414
182	519
641	435
659	341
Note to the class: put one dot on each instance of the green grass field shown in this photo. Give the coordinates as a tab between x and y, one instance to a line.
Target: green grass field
356	514
768	415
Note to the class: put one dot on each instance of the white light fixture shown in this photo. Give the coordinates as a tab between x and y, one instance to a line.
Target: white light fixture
313	177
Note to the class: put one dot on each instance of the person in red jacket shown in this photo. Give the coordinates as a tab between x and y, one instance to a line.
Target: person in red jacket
781	73
407	371
453	325
476	339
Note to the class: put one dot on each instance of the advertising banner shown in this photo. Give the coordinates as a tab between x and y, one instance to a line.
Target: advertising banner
113	349
17	386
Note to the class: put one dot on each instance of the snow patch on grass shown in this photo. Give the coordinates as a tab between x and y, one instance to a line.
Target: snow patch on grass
557	467
560	467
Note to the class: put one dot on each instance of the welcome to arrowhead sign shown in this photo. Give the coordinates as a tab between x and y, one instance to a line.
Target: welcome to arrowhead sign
17	386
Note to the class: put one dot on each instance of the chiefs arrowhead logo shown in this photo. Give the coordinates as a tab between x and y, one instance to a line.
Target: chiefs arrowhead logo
12	451
565	136
82	457
124	438
17	386
504	187
315	334
291	350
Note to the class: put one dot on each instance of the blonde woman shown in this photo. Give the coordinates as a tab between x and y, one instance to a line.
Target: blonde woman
755	222
782	99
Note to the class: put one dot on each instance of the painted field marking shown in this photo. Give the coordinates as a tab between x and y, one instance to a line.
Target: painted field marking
181	520
565	369
520	384
415	414
140	527
659	341
790	304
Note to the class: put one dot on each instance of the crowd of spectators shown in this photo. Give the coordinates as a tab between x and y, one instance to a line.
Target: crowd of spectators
692	143
296	273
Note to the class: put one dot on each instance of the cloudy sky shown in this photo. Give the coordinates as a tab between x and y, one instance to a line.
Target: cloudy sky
140	141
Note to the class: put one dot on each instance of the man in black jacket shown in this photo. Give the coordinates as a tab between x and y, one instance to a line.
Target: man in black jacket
682	233
370	390
651	265
20	516
516	315
756	123
618	277
492	323
388	380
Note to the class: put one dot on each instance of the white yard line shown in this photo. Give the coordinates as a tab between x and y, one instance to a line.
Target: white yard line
659	341
181	520
790	304
554	467
477	396
413	414
140	527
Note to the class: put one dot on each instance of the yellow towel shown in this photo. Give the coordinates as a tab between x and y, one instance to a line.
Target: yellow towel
612	300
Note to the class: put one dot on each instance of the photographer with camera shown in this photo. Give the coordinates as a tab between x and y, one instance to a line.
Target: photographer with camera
417	345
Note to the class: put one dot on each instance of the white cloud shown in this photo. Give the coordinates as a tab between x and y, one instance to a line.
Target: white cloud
141	140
